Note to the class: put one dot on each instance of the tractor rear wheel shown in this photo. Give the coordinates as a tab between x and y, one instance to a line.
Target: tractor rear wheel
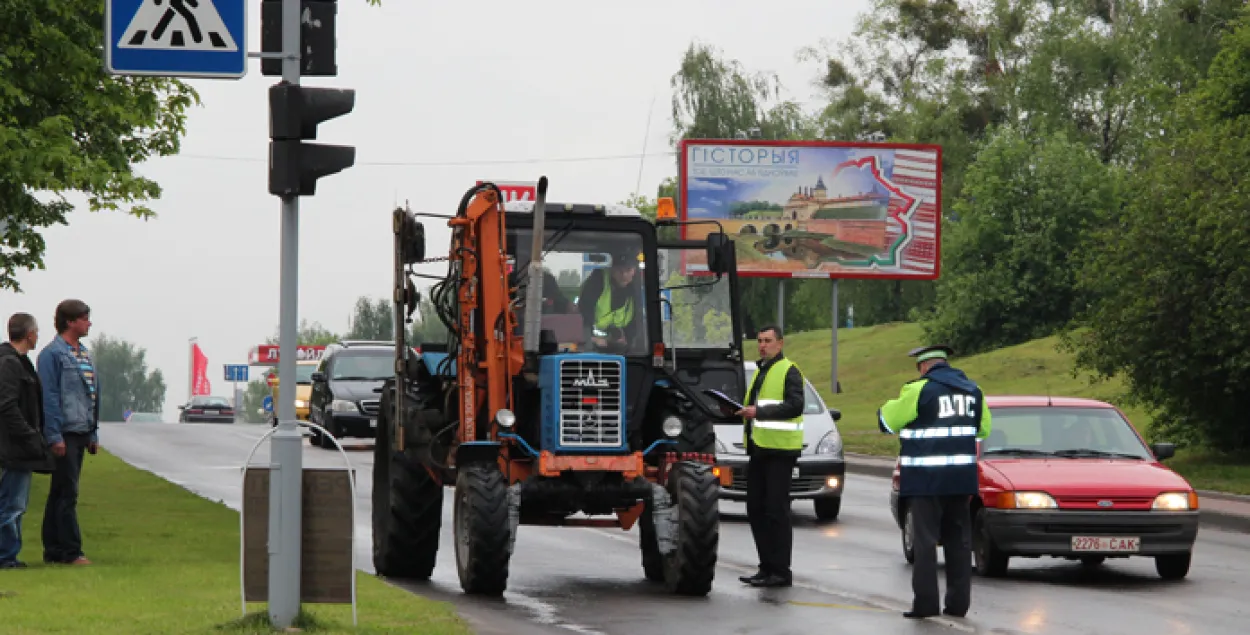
482	530
691	567
407	508
652	560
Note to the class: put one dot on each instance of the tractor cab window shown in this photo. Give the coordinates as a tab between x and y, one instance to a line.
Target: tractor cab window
594	290
697	308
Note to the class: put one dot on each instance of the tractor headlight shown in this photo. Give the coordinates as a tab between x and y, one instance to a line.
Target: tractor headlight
505	418
672	427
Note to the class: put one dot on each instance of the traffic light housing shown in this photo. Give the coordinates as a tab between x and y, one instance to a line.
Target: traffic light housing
317	38
295	111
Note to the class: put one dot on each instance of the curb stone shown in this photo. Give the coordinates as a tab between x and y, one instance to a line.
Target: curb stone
1220	517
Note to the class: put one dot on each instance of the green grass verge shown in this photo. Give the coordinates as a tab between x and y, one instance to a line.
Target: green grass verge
167	561
873	364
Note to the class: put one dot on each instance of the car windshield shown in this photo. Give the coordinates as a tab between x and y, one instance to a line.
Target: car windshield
210	402
577	264
1061	431
811	401
304	372
373	367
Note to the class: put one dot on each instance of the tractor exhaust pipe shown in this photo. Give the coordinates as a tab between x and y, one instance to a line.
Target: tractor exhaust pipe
534	292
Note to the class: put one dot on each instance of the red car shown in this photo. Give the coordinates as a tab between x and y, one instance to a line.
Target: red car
1072	478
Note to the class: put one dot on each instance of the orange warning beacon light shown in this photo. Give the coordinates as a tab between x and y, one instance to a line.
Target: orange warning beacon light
665	208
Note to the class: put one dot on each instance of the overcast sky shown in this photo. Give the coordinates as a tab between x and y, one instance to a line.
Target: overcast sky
446	87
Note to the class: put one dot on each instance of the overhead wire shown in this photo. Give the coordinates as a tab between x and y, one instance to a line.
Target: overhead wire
442	164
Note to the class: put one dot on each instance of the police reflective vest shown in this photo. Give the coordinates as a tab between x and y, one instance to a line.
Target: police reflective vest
938	419
606	317
778	434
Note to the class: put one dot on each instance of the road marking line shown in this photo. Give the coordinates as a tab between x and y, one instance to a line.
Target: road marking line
831	605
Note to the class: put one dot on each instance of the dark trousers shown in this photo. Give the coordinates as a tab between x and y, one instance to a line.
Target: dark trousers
948	518
62	541
768	510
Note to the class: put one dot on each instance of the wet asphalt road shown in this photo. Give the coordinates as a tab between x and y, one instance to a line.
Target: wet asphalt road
850	576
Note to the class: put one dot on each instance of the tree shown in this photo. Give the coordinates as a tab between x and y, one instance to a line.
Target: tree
125	383
374	321
1026	211
1171	277
81	132
310	334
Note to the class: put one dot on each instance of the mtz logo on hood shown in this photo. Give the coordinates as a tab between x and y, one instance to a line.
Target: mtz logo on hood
589	381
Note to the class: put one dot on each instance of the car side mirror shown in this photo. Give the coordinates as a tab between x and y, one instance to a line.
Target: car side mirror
182	407
1163	451
719	253
318	377
835	413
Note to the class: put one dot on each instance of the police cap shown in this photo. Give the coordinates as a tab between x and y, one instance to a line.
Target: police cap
924	353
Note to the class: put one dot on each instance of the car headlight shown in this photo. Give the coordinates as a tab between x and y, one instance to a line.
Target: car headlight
1173	502
300	403
721	448
672	427
1034	500
342	405
505	418
831	443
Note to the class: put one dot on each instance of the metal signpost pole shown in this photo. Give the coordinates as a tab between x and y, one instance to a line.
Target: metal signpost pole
833	362
286	451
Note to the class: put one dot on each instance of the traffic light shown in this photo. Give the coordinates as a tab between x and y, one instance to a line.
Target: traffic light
317	42
294	113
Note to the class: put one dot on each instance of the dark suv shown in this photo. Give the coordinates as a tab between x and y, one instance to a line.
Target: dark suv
344	400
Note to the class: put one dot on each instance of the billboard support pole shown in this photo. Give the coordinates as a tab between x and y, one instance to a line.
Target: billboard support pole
781	304
834	385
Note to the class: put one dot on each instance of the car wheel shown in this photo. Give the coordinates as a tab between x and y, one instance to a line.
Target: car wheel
989	561
909	535
1173	567
827	507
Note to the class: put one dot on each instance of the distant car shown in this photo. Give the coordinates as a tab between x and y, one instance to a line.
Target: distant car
207	409
821	468
1071	478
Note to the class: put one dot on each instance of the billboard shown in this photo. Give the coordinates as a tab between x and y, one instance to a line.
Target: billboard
516	190
267	354
816	209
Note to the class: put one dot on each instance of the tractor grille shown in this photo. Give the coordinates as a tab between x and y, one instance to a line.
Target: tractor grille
590	403
369	407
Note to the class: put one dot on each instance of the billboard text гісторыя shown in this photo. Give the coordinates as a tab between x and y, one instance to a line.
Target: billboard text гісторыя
816	209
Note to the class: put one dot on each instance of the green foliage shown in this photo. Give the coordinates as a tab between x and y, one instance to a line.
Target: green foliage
65	125
1172	280
1026	210
372	320
125	382
310	334
253	401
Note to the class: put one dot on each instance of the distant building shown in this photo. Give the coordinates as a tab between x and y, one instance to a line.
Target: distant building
814	203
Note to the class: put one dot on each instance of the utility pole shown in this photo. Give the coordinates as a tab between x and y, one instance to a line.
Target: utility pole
294	167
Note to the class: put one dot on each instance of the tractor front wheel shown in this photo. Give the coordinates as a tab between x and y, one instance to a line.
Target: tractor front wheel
482	529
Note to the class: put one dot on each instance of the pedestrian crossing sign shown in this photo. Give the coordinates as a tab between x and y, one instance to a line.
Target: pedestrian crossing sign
176	38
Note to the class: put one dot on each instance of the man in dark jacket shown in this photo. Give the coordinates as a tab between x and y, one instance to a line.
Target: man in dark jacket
938	418
22	448
773	434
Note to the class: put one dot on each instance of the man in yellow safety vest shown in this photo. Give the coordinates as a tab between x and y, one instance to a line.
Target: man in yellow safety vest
610	303
773	435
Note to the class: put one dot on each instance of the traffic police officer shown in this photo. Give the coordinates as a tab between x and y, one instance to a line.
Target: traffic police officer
773	434
938	418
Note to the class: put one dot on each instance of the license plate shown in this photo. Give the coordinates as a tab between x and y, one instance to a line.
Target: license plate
1105	543
796	472
211	412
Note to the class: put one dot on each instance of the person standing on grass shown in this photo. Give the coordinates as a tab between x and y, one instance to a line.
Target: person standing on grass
71	411
22	448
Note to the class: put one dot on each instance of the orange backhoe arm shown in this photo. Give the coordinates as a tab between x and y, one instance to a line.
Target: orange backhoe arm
479	247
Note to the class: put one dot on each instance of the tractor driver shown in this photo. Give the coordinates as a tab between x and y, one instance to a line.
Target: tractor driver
611	305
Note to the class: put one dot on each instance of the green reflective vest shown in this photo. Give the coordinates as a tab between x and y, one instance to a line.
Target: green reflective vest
605	316
783	434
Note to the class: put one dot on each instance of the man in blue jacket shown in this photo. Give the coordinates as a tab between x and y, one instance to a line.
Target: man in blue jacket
938	418
71	411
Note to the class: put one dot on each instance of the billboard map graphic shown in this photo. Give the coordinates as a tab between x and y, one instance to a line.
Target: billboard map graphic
816	209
